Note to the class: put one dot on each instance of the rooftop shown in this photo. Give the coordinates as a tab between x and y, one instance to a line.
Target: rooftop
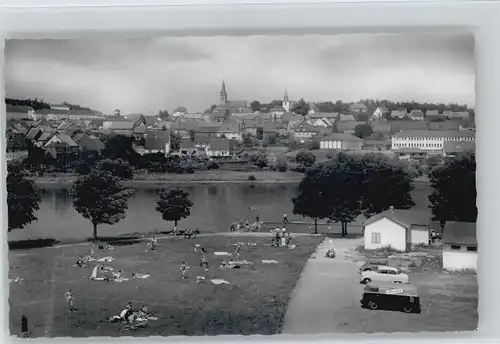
460	233
434	133
404	217
341	137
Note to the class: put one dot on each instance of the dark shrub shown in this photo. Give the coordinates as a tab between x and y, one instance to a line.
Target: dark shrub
251	178
212	165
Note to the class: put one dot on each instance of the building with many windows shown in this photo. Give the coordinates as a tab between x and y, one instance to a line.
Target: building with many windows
429	139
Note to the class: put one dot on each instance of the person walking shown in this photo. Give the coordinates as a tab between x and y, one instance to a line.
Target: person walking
285	218
24	324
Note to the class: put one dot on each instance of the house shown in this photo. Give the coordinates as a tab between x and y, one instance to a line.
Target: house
430	114
60	144
414	153
52	114
347	126
206	131
346	117
33	134
220	116
460	115
341	141
291	120
220	148
451	148
322	119
96	124
156	141
276	112
429	139
358	107
397	126
379	113
446	125
416	115
398	114
230	130
399	229
269	129
381	127
459	246
19	112
43	138
88	142
320	122
305	131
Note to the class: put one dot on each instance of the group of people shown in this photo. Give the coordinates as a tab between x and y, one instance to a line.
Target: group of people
133	317
281	238
246	226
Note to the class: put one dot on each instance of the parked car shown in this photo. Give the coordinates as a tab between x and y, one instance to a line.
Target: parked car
371	265
386	296
387	274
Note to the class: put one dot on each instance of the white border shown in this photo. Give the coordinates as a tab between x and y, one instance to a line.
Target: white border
77	19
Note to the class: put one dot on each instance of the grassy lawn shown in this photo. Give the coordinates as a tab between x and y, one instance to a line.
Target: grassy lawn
253	303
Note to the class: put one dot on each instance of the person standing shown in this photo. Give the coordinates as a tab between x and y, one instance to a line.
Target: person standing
24	324
257	218
70	299
285	218
184	269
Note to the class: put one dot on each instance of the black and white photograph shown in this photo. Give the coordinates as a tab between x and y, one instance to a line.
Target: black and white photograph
241	185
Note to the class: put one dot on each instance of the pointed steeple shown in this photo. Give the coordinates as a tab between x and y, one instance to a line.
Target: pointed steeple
223	93
285	99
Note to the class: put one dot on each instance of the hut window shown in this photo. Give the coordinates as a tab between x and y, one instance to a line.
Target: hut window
472	248
455	247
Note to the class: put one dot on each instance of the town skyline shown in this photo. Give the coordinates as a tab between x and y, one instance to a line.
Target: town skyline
145	76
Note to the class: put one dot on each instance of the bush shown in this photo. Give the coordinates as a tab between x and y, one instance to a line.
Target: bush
305	158
282	167
212	165
252	178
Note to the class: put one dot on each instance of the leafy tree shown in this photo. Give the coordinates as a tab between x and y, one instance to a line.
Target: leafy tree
255	105
433	161
100	198
384	183
302	108
121	147
454	183
174	204
305	158
163	114
118	168
311	200
247	140
363	130
22	197
211	109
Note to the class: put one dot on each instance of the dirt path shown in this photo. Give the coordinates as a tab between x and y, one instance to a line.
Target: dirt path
326	286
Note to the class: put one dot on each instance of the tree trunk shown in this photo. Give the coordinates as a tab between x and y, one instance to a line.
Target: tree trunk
345	228
94	233
315	226
175	223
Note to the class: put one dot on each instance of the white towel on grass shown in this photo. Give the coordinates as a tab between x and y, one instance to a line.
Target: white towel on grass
219	281
269	261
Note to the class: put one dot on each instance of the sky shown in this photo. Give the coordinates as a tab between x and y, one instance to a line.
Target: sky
148	75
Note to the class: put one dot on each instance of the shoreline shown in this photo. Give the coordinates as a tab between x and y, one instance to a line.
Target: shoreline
200	178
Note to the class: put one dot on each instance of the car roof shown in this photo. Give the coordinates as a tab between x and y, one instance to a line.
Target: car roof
409	289
387	267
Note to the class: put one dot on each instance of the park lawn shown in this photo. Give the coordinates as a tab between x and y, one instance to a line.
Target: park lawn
254	302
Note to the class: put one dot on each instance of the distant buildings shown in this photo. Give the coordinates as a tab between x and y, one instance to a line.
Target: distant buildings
429	139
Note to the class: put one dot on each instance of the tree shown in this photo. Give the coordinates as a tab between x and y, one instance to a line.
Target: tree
174	204
100	198
121	147
86	161
305	158
433	161
302	108
211	109
163	114
384	183
259	159
22	197
255	105
363	130
311	200
118	168
362	117
454	184
247	140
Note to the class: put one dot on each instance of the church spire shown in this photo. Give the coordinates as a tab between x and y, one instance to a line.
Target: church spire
285	99
223	93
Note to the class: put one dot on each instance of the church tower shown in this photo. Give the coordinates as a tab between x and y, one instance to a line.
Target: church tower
223	93
286	102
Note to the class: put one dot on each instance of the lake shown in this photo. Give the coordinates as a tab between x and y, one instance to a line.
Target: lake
215	207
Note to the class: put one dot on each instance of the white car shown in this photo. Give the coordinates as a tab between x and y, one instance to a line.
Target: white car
383	273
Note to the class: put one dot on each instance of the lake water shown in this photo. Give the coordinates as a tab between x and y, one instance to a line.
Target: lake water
215	208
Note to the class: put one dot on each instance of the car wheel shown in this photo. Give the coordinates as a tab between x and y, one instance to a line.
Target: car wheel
366	280
367	269
373	305
397	281
408	309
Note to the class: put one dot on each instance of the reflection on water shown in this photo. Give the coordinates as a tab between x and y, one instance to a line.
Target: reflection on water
215	208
